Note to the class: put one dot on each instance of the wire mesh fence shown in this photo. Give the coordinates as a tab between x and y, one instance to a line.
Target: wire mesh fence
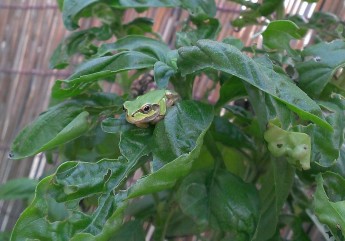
29	32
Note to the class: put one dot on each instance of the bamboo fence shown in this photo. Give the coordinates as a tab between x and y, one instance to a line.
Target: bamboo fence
29	32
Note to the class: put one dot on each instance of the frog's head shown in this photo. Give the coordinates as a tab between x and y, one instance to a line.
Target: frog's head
150	107
140	112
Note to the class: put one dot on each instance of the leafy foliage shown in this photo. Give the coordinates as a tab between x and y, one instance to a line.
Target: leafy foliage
242	169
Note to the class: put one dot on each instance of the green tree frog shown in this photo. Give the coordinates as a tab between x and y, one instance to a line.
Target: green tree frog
150	107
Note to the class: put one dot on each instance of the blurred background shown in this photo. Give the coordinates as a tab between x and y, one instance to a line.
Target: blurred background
30	30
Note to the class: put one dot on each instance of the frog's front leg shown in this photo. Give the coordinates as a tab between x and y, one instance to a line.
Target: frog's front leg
171	98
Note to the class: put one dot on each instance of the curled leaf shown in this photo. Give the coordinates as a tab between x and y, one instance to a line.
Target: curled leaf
295	146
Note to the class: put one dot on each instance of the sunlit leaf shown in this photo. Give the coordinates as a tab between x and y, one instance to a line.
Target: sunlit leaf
60	124
279	33
149	46
224	57
100	68
116	125
181	121
276	186
72	181
71	9
330	212
321	62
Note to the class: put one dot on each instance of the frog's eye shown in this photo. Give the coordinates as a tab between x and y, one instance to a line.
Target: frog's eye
146	109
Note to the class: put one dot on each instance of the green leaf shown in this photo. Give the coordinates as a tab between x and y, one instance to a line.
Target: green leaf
295	146
326	144
241	114
145	3
162	74
116	125
75	181
207	29
220	204
331	213
234	205
234	42
77	42
256	11
334	184
324	148
325	25
102	99
106	220
322	61
276	186
267	108
139	26
234	161
181	225
231	89
197	8
269	6
185	123
20	188
339	166
165	177
135	143
125	60
71	11
246	18
98	68
60	124
92	147
130	231
75	128
247	4
151	47
279	33
193	196
181	129
226	58
200	9
229	134
222	200
187	118
59	58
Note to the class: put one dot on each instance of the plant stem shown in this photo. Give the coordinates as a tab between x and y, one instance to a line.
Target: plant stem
214	151
280	13
166	224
